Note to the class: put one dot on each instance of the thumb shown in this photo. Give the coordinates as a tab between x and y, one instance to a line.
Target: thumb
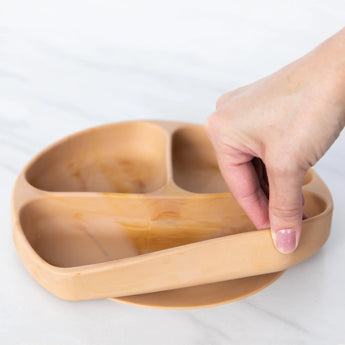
285	208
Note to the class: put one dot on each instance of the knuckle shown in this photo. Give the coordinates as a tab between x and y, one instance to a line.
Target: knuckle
252	195
284	165
212	123
228	97
285	212
221	100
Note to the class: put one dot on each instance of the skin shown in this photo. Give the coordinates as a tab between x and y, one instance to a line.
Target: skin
285	122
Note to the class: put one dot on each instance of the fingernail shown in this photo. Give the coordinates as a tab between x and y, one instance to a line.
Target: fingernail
286	240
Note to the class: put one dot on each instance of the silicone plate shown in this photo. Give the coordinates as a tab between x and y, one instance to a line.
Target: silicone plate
140	209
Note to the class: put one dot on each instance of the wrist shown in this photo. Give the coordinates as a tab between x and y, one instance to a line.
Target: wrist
330	65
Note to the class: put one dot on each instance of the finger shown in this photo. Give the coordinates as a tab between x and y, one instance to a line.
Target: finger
243	182
285	208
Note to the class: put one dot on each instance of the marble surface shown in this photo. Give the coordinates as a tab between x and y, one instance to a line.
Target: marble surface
69	65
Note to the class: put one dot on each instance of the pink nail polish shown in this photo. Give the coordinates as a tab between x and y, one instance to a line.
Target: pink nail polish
286	240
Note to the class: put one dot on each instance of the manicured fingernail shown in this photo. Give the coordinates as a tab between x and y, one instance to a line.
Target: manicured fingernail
286	240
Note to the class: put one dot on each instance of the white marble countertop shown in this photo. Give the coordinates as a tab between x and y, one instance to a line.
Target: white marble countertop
69	65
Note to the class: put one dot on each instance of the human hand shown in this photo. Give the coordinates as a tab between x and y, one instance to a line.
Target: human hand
288	120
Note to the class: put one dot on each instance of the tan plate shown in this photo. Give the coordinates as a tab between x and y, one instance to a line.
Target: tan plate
203	296
136	208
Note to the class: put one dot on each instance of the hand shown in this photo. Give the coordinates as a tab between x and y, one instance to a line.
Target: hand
288	120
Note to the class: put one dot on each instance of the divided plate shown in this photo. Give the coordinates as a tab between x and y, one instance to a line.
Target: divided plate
138	211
